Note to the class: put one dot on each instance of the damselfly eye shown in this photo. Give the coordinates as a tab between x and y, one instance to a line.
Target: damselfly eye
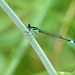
29	26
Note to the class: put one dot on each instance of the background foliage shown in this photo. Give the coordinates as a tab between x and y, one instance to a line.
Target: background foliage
17	57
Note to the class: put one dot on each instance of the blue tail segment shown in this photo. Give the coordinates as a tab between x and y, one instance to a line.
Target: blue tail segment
71	41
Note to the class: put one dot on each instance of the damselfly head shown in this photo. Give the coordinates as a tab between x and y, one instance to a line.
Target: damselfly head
29	26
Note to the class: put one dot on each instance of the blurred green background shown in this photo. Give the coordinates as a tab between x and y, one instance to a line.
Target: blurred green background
17	57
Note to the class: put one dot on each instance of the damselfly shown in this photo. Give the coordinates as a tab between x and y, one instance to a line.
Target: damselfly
36	29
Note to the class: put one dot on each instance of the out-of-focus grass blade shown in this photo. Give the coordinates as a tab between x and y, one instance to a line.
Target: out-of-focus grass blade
3	62
16	58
